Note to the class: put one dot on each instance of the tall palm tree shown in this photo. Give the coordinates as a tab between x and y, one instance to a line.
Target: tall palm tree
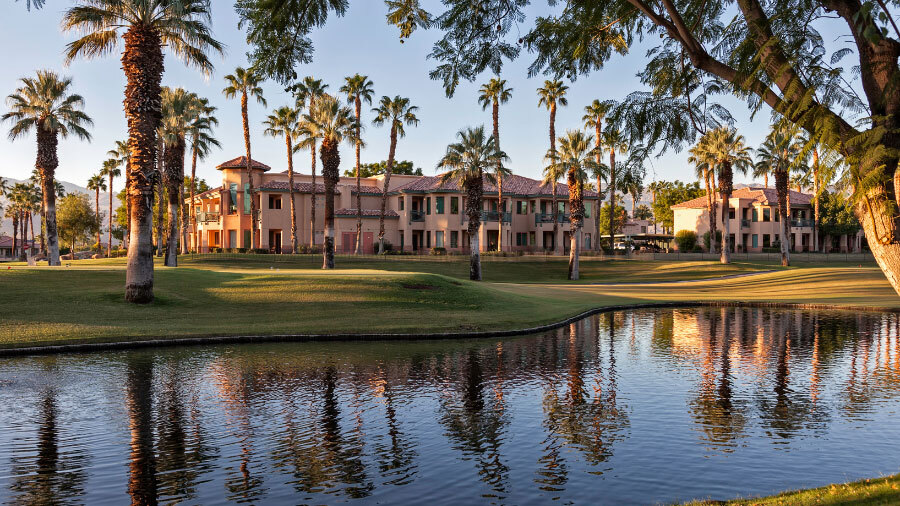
704	167
358	90
308	91
819	173
331	123
779	151
553	172
763	171
201	144
467	162
633	185
283	122
148	25
575	158
397	112
122	155
594	115
44	103
550	95
493	94
97	184
246	83
613	141
111	170
726	148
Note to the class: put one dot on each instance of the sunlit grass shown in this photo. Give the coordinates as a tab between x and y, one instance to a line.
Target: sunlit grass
874	491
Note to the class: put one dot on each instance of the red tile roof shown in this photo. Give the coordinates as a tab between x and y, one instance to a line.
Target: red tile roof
241	162
298	187
513	185
369	213
764	196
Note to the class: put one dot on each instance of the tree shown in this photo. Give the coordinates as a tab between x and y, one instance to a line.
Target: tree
332	123
493	94
98	184
838	217
110	170
358	90
246	83
613	141
594	115
553	172
308	91
202	142
575	158
633	186
668	194
550	95
401	168
397	112
779	151
122	156
825	165
283	122
642	212
148	25
617	220
704	166
468	162
77	221
44	103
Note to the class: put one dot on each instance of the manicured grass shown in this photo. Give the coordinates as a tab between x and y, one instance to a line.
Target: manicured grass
861	493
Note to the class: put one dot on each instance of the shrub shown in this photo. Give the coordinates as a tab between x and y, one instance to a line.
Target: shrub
438	251
706	244
260	251
686	240
387	247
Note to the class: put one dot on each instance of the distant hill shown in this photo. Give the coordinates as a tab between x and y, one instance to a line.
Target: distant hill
6	224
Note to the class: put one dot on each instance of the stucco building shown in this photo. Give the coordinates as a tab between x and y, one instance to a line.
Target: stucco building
421	213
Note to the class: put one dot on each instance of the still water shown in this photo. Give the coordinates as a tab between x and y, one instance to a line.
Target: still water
626	408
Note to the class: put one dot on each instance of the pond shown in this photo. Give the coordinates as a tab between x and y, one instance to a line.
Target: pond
631	407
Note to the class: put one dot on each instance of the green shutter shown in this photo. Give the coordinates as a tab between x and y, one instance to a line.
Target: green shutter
232	206
246	198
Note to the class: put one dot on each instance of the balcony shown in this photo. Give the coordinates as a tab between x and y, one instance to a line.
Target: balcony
548	218
745	223
416	216
207	217
802	223
491	216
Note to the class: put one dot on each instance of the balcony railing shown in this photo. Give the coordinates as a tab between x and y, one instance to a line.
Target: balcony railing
745	223
802	223
548	218
487	216
416	216
207	217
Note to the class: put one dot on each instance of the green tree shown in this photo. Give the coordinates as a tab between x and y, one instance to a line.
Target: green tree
111	170
396	112
469	162
492	95
613	141
284	122
44	103
246	84
97	184
122	155
575	158
780	151
594	115
618	221
401	168
358	89
642	212
668	194
308	92
77	221
202	141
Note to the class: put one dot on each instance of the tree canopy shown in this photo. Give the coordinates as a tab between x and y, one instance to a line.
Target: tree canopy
670	193
402	168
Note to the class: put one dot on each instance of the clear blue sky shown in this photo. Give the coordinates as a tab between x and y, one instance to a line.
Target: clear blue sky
359	42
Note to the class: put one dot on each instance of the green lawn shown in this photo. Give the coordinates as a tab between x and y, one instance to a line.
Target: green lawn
872	492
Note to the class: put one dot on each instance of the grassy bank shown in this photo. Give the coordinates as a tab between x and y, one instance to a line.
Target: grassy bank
872	492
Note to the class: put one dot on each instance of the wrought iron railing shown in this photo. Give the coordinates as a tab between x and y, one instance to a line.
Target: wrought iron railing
548	218
207	217
487	216
801	223
416	216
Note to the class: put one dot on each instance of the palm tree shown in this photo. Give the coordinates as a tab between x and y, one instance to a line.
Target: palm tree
332	123
111	170
575	158
202	142
725	147
148	25
493	94
779	151
594	115
550	95
284	122
98	184
613	141
397	112
704	167
308	91
122	155
467	162
245	82
819	173
44	103
358	89
553	172
633	185
763	171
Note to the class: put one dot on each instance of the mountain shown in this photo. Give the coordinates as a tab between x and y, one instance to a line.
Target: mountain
6	223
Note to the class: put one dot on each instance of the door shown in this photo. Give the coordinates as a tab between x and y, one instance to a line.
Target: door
348	242
369	243
277	241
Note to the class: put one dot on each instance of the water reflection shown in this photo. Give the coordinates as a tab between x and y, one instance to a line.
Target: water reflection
646	406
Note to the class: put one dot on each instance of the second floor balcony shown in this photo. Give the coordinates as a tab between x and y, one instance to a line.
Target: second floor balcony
416	216
207	217
745	223
492	216
548	218
802	223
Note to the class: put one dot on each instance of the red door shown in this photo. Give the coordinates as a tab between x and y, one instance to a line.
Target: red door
368	243
347	242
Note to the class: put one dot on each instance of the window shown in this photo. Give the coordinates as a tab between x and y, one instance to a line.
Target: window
274	202
531	238
454	205
428	239
247	242
587	241
587	209
755	215
521	239
400	203
562	207
232	203
755	241
731	214
533	207
439	207
232	236
428	205
767	214
767	240
454	237
777	215
402	235
247	199
521	207
439	236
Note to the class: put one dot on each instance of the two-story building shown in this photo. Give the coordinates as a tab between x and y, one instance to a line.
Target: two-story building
421	213
754	220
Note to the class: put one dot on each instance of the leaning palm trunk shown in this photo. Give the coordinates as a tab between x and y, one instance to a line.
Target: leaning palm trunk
387	183
474	193
312	211
781	186
331	160
253	240
726	186
358	248
174	172
46	165
576	218
290	158
142	62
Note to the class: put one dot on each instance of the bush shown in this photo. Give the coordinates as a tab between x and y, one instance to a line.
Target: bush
706	244
260	251
387	247
686	240
64	251
305	249
438	251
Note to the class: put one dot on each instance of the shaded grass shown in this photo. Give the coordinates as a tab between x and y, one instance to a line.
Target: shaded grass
861	493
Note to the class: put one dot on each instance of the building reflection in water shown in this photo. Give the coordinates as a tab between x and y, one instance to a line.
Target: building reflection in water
499	418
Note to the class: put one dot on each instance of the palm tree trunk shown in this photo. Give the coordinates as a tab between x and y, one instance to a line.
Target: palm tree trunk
312	212
46	163
781	186
711	209
555	218
331	160
183	247
174	172
43	233
290	160
576	218
160	208
612	200
15	243
254	243
109	219
23	255
816	200
97	211
598	153
726	186
495	113
474	194
357	102
387	181
195	241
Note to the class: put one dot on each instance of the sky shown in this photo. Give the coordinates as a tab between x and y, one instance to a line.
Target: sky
345	46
